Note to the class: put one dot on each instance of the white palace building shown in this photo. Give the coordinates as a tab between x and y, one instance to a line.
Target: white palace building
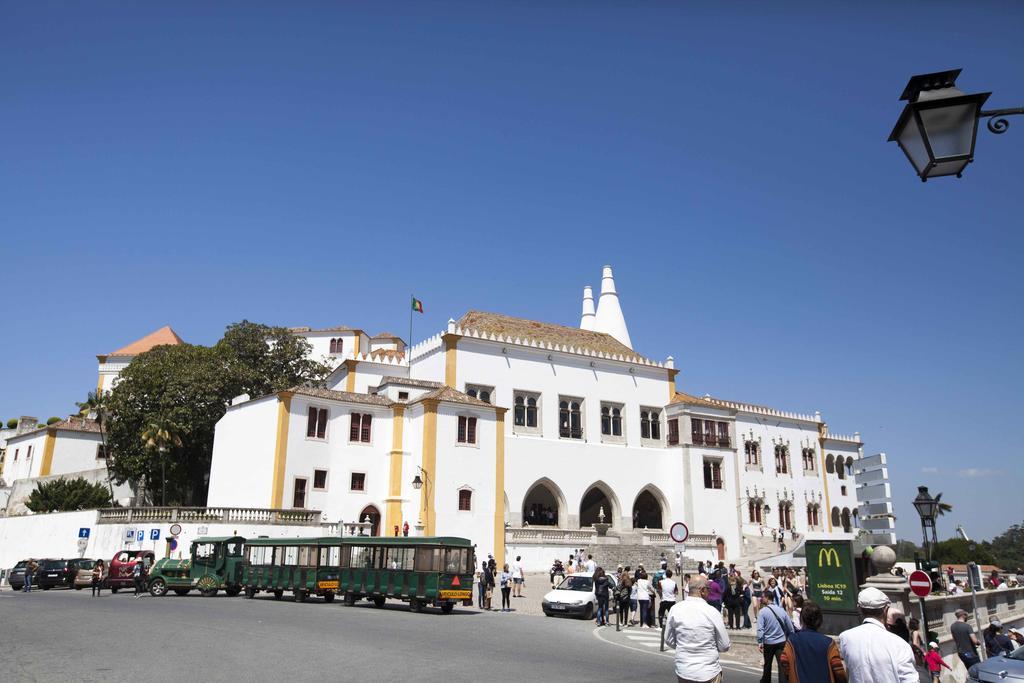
520	434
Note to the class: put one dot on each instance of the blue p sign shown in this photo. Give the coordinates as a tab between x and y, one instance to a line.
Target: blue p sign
142	535
154	534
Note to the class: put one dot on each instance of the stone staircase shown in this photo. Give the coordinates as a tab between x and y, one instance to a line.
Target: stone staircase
629	555
756	548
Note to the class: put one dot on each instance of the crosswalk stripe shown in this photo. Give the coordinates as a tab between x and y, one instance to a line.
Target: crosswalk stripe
651	644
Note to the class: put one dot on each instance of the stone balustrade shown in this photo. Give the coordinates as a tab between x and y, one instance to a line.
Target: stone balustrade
548	535
229	515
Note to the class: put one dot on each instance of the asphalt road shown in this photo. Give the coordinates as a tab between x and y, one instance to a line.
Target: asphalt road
67	635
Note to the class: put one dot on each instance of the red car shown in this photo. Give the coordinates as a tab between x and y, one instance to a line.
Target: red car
123	564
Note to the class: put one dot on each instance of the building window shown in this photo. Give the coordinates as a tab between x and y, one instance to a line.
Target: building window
723	434
319	480
403	395
808	457
650	424
316	423
359	430
755	510
752	451
525	416
782	459
611	422
16	455
480	392
358	481
336	346
842	490
712	473
813	515
570	418
673	432
28	453
299	495
709	432
467	429
465	500
101	452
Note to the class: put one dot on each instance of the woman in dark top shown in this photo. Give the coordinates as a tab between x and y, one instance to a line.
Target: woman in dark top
733	599
602	591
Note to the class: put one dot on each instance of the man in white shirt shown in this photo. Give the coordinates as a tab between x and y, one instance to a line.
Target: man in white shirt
590	564
871	653
696	630
517	577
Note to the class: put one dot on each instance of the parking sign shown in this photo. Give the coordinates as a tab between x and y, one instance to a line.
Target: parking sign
154	534
129	535
142	535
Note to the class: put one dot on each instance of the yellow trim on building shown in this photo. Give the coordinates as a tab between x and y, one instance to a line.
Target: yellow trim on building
822	430
355	342
284	406
451	341
99	384
350	377
499	486
672	384
393	516
429	466
48	446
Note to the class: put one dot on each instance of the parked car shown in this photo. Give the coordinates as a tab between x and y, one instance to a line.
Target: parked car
574	596
55	574
999	669
120	569
83	573
16	577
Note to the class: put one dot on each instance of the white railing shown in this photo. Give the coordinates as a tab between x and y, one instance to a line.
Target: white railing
656	537
701	541
544	535
208	514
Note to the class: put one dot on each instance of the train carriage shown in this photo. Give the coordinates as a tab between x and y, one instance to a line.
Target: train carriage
302	566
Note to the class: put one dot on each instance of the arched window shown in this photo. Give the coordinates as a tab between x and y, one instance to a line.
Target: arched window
849	466
840	468
752	449
830	464
616	421
847	527
782	459
519	412
531	412
465	499
606	420
336	345
570	421
835	517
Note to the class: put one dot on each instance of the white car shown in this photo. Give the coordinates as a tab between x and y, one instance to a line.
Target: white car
575	596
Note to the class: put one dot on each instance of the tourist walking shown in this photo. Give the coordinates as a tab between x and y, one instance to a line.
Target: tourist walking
506	588
488	585
697	633
756	589
623	591
733	600
139	577
871	653
809	656
97	577
745	604
517	577
714	597
773	591
643	598
965	640
996	642
667	590
557	571
773	630
602	592
30	570
481	586
935	662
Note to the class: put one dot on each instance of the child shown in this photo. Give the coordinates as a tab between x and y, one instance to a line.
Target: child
934	661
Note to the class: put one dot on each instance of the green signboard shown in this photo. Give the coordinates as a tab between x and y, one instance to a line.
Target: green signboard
831	575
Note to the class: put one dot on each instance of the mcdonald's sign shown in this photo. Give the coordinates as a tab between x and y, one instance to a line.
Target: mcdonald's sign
831	575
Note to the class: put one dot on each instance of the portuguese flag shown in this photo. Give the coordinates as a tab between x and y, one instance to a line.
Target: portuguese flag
417	305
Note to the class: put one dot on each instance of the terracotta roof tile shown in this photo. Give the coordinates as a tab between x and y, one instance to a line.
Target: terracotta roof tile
369	399
337	328
387	335
73	423
448	395
165	335
681	397
550	333
406	382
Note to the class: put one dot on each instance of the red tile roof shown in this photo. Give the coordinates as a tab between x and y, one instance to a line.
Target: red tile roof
165	335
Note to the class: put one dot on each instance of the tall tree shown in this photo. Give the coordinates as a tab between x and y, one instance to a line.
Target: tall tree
261	359
161	435
94	407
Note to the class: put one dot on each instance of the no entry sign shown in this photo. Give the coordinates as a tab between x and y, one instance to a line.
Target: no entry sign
679	532
920	583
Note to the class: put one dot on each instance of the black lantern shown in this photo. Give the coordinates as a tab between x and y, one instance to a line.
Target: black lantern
938	126
928	509
767	509
417	483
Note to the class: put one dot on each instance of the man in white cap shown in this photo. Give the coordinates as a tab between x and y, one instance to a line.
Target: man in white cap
871	653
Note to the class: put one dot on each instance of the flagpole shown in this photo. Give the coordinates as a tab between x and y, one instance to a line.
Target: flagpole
408	347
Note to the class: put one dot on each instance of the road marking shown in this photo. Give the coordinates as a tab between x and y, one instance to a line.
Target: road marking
730	665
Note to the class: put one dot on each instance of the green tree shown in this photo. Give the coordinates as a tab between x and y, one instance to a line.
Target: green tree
905	551
161	435
94	407
1008	548
12	423
262	359
62	495
190	387
943	507
958	551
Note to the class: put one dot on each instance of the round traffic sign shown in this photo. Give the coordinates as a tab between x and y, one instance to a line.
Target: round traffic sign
172	543
679	532
175	529
920	583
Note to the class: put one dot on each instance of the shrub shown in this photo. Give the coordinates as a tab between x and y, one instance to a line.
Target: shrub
62	495
52	420
12	423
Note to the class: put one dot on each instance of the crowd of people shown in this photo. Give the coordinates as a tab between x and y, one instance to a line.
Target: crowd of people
542	515
509	581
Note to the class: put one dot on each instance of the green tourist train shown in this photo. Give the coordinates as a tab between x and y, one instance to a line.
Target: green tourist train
422	571
214	563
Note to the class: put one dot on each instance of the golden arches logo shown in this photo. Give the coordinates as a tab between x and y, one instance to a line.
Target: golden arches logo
826	556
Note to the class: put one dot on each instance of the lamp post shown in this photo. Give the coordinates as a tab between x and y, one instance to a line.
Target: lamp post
418	483
939	124
928	509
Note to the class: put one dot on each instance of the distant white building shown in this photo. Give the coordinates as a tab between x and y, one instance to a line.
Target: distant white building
518	433
111	364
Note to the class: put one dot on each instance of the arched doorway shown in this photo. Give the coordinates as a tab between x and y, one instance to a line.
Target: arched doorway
720	544
647	511
594	501
374	514
542	505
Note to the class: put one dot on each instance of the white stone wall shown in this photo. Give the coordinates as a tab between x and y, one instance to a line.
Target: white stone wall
75	451
242	467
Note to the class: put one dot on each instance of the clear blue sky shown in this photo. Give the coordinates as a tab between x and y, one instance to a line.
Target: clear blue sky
315	163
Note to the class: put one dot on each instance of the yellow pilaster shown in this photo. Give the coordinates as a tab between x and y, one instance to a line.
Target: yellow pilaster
499	486
284	405
429	466
822	430
450	358
393	516
355	343
48	445
672	384
350	378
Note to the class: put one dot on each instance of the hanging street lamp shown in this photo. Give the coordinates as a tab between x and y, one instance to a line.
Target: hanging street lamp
939	124
928	509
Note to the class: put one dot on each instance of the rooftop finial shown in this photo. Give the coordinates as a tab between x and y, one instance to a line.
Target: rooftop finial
609	317
589	315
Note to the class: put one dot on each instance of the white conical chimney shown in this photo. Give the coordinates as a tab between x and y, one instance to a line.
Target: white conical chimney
587	321
609	317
